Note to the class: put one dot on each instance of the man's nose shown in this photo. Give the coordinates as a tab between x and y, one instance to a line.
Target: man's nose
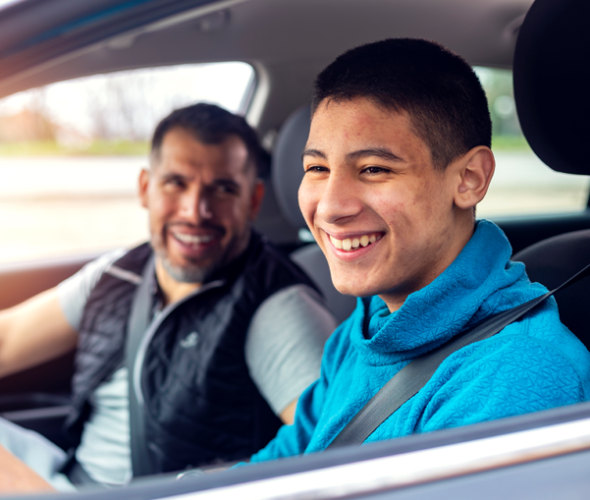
339	200
195	205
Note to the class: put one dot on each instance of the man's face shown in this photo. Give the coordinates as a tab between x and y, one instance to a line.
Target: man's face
201	200
381	213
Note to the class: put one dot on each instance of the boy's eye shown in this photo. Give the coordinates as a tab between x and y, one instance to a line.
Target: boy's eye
374	170
315	169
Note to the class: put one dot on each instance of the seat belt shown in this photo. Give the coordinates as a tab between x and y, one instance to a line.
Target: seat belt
412	377
139	319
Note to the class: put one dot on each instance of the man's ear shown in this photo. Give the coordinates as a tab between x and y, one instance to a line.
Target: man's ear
257	197
142	185
476	169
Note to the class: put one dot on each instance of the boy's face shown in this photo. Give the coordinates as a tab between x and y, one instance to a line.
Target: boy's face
382	214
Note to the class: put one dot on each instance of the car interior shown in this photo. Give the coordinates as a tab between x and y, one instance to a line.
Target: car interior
546	63
548	51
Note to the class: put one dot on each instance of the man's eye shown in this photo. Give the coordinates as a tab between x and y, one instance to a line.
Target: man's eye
226	188
174	182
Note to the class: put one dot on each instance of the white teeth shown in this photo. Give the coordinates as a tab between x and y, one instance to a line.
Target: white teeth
336	243
192	239
348	244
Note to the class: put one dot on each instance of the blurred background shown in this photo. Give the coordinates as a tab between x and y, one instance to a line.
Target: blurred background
70	154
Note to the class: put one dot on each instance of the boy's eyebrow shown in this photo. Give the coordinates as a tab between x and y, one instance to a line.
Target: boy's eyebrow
316	153
383	153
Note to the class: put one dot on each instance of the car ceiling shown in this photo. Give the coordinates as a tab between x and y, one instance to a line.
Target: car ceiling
287	41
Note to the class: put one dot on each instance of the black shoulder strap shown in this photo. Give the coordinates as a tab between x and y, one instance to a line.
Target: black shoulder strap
412	377
139	320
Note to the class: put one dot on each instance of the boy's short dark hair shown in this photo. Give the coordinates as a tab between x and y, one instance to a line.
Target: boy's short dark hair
212	124
439	90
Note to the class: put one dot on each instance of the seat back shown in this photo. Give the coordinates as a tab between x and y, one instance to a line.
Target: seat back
554	260
551	82
287	173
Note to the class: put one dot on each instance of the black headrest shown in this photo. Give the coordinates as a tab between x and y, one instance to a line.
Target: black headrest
552	82
286	163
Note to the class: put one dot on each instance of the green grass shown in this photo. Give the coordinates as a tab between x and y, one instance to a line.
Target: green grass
509	143
96	148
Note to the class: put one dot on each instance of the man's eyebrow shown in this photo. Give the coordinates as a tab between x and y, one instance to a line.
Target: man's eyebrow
383	153
227	182
173	175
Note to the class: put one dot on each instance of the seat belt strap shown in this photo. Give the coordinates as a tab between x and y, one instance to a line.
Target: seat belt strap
412	377
139	319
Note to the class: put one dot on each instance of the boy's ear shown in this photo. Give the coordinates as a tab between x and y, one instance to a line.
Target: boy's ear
476	169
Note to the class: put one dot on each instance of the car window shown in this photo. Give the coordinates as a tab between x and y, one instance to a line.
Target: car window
6	3
70	154
522	183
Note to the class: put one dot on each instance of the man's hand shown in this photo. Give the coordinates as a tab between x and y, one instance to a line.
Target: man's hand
17	477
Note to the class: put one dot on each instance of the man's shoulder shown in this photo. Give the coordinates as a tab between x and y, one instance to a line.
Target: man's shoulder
75	291
132	259
121	263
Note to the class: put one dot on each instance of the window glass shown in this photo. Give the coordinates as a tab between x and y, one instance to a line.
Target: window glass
6	3
70	154
522	184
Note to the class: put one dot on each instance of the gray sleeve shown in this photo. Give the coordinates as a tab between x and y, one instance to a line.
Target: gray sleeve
285	343
74	291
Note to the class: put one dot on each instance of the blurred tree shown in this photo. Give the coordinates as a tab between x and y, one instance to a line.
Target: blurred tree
31	123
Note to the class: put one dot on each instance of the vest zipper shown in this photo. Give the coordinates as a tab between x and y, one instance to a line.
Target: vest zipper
145	341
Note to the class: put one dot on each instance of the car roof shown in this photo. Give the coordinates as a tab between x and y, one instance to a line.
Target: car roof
286	41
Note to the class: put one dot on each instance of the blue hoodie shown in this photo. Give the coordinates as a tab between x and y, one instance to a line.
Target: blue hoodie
533	364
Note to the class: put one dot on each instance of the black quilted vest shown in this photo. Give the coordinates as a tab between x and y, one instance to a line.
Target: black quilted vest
200	404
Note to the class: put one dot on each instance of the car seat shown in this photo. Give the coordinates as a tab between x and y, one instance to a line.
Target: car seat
551	82
287	173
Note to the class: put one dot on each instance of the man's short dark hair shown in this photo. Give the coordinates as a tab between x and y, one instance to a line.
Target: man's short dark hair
439	90
212	124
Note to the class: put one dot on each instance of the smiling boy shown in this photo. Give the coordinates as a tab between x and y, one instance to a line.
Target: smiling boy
397	158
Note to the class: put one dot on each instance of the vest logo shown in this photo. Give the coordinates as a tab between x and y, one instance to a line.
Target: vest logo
191	340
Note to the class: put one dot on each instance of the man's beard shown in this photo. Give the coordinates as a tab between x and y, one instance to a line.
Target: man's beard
186	274
194	273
